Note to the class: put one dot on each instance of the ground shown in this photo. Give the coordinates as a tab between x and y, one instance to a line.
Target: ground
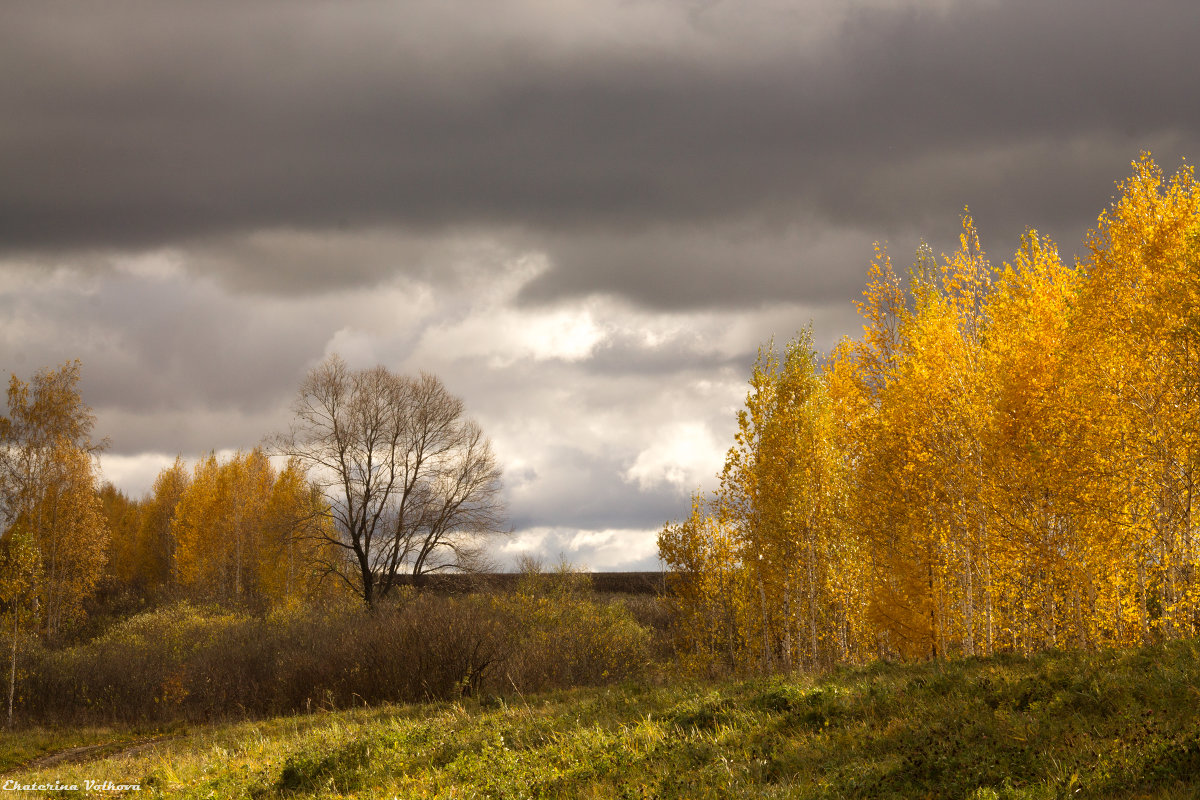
1113	724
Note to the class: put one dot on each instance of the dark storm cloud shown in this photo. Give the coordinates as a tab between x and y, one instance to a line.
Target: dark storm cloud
689	266
301	261
600	134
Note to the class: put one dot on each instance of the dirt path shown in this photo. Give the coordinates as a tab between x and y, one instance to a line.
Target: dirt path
90	752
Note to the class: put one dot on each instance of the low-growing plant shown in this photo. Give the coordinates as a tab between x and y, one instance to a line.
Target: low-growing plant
188	662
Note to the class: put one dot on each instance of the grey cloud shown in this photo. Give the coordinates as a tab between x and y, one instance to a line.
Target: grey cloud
689	266
569	433
189	431
624	356
152	345
371	176
140	123
587	492
283	261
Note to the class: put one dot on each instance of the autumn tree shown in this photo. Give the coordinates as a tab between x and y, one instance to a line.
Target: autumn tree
122	515
49	500
1140	309
411	485
54	538
216	524
1009	459
19	578
156	546
933	413
884	433
776	490
246	533
754	566
706	582
1043	575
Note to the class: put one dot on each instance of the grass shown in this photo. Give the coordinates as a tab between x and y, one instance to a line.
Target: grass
1114	724
27	744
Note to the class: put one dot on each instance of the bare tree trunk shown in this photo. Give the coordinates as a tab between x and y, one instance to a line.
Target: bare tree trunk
985	552
762	592
987	581
787	624
290	568
933	617
52	583
1053	618
1142	605
812	600
12	670
969	604
1188	546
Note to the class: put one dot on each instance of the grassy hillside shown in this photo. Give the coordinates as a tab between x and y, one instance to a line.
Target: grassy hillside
1117	724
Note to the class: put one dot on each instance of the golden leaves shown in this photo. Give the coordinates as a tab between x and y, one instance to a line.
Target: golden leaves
1006	463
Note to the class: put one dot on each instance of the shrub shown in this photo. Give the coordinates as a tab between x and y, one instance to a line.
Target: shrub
201	663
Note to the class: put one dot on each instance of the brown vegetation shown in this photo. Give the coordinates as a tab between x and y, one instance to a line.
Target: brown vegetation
185	662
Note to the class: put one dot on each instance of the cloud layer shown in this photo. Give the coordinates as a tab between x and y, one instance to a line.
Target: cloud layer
584	216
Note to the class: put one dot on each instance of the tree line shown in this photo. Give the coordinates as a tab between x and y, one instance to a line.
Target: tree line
380	475
1005	461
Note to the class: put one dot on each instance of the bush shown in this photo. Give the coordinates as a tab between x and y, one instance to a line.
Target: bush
566	638
202	663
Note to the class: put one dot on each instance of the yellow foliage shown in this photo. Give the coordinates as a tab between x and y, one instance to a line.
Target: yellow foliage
1006	460
245	533
54	544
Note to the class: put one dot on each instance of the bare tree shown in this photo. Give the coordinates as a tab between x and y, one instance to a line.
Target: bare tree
412	485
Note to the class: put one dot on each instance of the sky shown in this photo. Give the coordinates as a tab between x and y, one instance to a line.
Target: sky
584	216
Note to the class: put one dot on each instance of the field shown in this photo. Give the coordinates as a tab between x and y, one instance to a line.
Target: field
1113	724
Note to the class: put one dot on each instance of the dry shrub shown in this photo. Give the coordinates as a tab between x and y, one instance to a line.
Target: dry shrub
204	663
137	664
565	636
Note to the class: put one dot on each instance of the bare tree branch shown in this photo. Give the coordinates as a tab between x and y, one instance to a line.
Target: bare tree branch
411	485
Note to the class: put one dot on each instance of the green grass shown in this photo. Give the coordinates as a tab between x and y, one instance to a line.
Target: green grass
27	744
1116	724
